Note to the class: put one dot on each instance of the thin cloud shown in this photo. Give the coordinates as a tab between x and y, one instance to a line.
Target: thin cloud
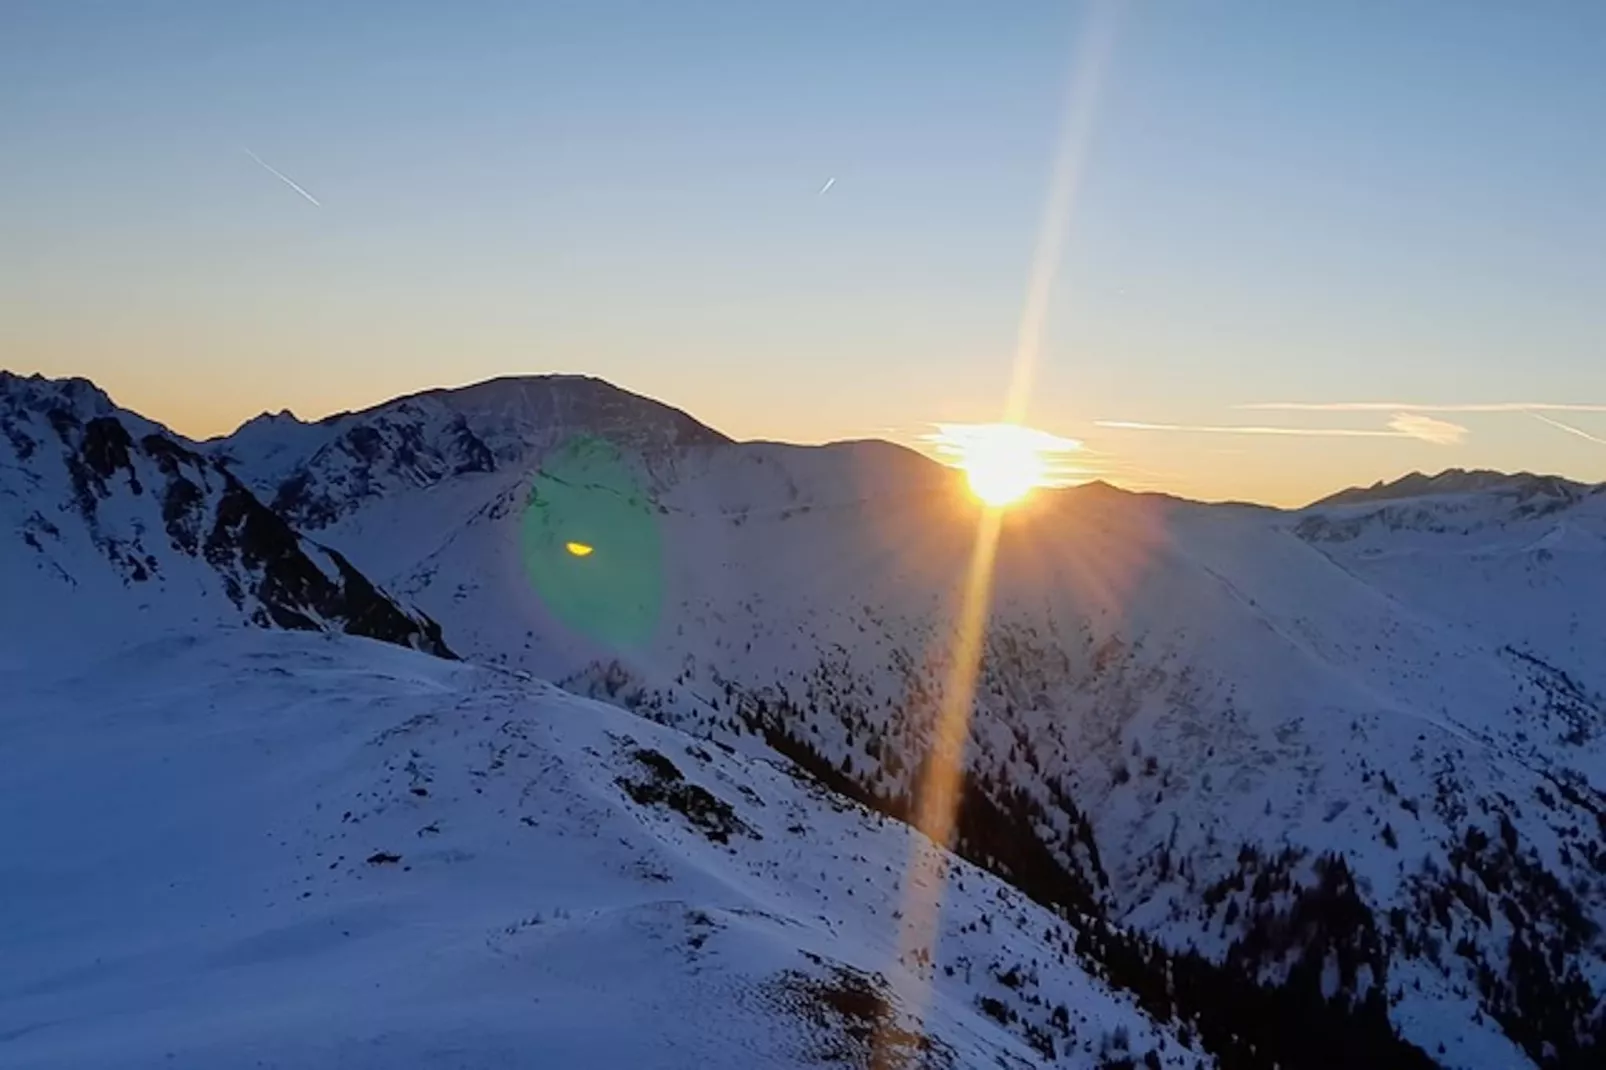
1426	428
1569	428
282	177
1408	406
1241	429
960	434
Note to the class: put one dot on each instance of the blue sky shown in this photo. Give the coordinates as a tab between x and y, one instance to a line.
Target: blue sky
1318	203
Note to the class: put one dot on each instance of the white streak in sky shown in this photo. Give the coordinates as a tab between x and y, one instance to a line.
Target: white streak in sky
1407	406
1402	425
282	177
1207	429
828	184
1569	428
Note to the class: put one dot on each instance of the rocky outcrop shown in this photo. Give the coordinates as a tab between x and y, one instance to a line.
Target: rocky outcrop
90	489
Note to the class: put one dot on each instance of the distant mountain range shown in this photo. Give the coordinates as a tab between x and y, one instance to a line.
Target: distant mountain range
1320	787
1523	486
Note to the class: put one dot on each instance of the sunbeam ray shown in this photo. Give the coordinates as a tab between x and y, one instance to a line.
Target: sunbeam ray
937	801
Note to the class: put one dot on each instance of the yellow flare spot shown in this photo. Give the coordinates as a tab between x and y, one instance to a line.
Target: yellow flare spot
580	549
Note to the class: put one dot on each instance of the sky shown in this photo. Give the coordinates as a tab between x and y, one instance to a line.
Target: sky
823	220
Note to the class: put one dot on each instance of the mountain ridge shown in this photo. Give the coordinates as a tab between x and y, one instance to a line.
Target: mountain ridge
114	511
1415	483
1459	481
315	472
492	383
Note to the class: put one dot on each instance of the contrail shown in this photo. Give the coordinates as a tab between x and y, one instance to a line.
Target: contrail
828	184
1403	425
1569	428
282	177
1236	429
1408	406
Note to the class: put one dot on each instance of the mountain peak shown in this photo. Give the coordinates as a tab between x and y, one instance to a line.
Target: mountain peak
318	472
1459	481
560	397
270	419
111	511
77	395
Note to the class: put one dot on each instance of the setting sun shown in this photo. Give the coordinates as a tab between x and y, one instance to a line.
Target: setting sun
1003	462
1002	469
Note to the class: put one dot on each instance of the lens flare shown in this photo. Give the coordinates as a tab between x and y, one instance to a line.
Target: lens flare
937	803
587	503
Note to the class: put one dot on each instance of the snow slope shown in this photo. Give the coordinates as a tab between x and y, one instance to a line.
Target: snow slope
1517	561
269	849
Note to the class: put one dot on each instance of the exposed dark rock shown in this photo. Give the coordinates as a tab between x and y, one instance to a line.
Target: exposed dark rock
276	577
105	446
664	785
854	1020
293	588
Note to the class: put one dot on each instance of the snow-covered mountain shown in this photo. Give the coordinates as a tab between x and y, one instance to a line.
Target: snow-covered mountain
1304	783
1516	559
1223	727
265	849
1520	488
314	474
113	527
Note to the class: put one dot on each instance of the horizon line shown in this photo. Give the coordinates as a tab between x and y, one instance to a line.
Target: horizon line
1109	479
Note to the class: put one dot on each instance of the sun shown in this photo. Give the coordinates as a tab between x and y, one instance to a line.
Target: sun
1001	466
1003	462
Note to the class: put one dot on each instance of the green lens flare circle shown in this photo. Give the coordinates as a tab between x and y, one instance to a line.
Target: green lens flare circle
591	544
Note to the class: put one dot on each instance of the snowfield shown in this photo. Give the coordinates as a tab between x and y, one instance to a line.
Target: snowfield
261	849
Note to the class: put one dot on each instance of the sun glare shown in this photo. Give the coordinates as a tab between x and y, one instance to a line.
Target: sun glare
1003	469
1003	462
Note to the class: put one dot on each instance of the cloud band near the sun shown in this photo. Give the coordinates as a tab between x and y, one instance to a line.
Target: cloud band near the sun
1402	425
1426	428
